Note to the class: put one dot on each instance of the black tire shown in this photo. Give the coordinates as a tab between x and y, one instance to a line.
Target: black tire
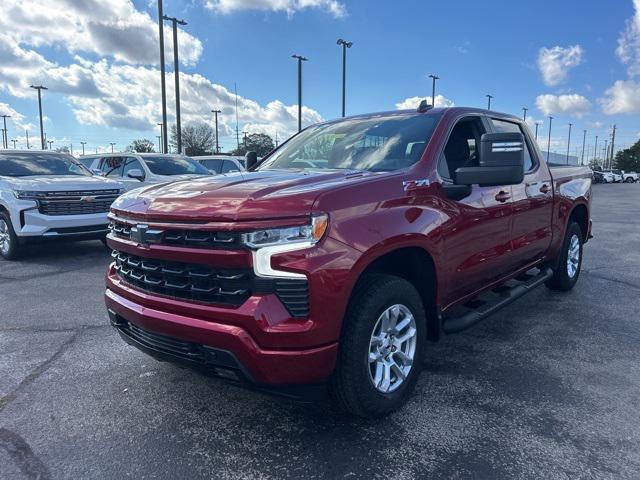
562	280
629	180
11	252
352	384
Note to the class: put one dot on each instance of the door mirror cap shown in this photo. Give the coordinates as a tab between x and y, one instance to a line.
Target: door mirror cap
251	158
136	173
501	161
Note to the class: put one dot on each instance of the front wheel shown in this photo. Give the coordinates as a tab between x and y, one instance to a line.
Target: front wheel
569	263
9	246
381	348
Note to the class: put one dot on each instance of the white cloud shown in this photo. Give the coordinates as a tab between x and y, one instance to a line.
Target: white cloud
109	29
572	104
629	42
622	97
595	125
333	7
554	63
17	118
413	102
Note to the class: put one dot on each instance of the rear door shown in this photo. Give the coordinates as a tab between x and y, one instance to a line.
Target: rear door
532	202
229	166
214	165
477	236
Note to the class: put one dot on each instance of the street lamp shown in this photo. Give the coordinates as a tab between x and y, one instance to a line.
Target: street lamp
163	148
345	45
538	123
584	141
569	142
300	59
216	112
50	142
489	97
163	89
39	88
549	140
5	135
112	144
524	113
83	144
176	72
433	78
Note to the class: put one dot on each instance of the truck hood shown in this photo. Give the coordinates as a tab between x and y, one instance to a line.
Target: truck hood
56	183
234	197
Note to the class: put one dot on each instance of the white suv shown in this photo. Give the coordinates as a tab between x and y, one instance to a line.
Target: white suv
45	195
138	169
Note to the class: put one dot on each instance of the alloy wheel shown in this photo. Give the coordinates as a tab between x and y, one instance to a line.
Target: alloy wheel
392	348
5	238
573	256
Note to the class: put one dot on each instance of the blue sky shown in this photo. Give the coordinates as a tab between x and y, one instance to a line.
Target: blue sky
575	60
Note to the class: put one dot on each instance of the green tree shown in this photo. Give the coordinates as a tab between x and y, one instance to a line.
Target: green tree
142	145
197	138
629	158
260	143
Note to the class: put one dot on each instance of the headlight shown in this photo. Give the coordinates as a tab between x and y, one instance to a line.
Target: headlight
28	195
311	232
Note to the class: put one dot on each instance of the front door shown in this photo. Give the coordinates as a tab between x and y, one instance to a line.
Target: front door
477	236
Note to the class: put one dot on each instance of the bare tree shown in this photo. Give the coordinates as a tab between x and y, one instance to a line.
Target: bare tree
197	138
142	145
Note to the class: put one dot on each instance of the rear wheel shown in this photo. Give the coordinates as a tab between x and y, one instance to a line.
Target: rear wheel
569	263
381	348
9	247
629	180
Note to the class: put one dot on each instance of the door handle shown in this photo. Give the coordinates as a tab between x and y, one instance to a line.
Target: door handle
545	188
502	196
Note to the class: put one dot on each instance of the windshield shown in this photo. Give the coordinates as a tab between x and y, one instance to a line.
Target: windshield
378	144
32	164
174	166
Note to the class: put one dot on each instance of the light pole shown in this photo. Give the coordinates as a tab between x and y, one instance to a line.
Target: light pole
112	144
162	147
39	88
584	141
569	142
489	97
345	45
5	135
595	149
83	144
163	88
433	78
26	132
524	114
50	142
176	72
159	137
606	154
14	143
300	59
549	140
538	123
215	113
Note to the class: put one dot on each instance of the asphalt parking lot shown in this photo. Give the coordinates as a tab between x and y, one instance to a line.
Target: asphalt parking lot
547	388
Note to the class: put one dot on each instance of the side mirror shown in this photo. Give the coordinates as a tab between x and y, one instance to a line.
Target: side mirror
501	161
136	173
251	158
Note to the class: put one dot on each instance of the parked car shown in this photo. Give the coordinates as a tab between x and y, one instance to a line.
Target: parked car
137	169
629	177
345	250
598	176
48	195
222	163
611	176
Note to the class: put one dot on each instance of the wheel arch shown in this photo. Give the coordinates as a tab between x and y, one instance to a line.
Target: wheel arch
580	215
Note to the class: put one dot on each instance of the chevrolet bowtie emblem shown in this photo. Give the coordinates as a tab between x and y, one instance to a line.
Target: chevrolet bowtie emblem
87	198
139	234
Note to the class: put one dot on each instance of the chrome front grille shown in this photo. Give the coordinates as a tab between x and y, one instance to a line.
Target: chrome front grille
76	202
186	281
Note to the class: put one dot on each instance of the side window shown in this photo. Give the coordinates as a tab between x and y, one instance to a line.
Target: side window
111	166
502	126
213	165
462	147
131	164
229	166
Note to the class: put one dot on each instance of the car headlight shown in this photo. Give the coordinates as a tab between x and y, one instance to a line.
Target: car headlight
309	233
28	194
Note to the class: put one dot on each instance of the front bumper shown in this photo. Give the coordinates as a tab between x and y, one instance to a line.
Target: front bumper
243	357
29	223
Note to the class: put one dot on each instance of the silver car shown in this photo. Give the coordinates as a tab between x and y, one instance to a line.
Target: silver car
137	169
47	195
222	163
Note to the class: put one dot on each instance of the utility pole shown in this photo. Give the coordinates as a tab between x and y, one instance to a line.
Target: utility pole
39	88
176	72
584	141
300	59
595	150
5	135
83	144
235	89
345	45
112	144
549	139
606	154
569	142
215	113
524	115
489	97
613	142
433	78
163	88
26	132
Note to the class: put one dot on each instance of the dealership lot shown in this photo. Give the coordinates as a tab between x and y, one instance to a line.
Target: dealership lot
546	388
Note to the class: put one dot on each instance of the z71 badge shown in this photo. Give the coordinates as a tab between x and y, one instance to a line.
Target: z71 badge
413	184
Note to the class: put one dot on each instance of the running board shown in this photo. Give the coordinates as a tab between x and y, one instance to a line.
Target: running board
490	302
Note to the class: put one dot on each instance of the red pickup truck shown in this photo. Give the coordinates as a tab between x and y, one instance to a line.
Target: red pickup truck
337	257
